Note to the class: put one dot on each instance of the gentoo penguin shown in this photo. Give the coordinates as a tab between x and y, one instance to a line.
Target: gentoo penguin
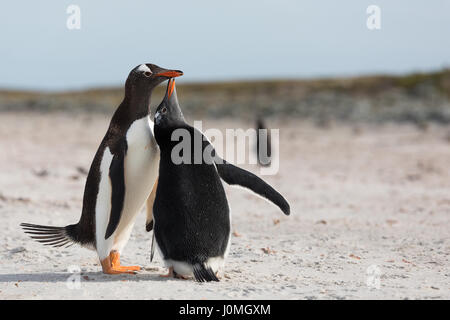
263	146
121	177
191	213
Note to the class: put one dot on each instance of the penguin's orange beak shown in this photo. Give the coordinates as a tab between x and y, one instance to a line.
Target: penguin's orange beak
170	87
170	73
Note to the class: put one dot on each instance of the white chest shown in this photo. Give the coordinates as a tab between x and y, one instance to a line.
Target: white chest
141	165
142	147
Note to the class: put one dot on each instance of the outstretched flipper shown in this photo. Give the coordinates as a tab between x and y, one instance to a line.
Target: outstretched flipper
236	176
117	176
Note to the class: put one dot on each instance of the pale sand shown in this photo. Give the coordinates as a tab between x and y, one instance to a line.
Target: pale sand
375	195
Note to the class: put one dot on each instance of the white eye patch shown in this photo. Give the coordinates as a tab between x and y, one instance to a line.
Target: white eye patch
143	68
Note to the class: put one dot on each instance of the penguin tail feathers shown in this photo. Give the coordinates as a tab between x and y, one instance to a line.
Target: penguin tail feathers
203	273
51	236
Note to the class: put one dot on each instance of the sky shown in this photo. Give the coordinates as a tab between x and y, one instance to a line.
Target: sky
217	40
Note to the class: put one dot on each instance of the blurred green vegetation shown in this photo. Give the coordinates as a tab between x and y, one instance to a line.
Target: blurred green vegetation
418	97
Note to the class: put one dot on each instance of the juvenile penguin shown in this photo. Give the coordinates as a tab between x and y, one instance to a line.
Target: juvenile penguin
191	213
121	177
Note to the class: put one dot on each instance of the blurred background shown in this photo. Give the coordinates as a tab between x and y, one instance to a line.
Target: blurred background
308	59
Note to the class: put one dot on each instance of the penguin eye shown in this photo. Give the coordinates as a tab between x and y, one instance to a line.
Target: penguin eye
163	110
147	74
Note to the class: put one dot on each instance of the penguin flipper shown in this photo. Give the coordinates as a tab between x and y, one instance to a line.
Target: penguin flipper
236	176
117	176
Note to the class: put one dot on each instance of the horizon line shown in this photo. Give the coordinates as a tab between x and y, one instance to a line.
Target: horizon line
243	80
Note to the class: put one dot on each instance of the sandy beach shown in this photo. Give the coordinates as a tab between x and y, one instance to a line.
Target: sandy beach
370	216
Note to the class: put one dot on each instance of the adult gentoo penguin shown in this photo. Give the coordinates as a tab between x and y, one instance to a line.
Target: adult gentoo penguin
191	213
121	177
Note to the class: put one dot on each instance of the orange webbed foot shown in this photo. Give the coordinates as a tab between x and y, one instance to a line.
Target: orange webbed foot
111	265
115	263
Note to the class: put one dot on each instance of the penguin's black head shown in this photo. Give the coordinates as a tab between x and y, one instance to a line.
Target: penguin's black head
168	113
147	76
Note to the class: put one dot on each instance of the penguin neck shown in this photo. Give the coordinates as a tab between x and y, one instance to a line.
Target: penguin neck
133	107
139	104
163	134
